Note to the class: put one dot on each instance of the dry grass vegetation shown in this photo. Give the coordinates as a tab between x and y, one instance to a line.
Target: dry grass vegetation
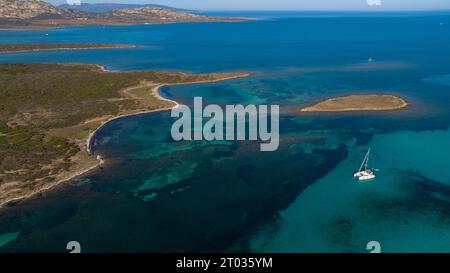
371	102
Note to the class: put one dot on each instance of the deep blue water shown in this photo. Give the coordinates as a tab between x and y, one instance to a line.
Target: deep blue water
161	196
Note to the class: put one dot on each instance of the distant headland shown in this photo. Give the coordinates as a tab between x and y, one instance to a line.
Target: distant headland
371	102
16	48
37	14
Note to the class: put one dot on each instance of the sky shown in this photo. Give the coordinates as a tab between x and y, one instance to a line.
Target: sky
288	4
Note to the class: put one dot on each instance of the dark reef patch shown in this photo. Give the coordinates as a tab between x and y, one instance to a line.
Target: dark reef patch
420	197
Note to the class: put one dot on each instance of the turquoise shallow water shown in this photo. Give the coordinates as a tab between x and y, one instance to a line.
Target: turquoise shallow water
405	208
160	196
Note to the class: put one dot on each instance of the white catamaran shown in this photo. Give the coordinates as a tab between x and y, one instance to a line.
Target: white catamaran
364	173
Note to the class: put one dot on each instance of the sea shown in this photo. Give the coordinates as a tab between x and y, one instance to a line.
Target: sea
158	195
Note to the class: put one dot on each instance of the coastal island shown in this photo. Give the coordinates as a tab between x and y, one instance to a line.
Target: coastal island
16	48
50	112
371	102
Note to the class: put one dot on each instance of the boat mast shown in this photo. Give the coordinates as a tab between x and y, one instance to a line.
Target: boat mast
365	161
367	158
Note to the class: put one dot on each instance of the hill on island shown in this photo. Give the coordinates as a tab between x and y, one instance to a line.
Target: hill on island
108	7
39	14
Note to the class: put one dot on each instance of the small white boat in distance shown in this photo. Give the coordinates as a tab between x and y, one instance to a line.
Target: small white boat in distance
365	173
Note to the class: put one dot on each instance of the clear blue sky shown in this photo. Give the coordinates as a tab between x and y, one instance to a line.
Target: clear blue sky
288	4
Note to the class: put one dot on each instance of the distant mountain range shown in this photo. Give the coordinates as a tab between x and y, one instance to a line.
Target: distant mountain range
36	9
107	7
32	14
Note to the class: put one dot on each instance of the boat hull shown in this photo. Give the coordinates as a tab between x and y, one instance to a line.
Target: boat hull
365	175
